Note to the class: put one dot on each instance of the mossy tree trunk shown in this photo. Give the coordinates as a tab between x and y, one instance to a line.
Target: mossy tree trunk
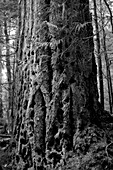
57	96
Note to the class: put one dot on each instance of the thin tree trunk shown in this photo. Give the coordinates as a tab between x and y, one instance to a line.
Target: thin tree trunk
109	81
1	104
8	67
100	73
13	95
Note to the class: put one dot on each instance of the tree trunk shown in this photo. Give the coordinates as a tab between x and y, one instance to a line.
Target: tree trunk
57	98
101	86
8	67
109	81
1	103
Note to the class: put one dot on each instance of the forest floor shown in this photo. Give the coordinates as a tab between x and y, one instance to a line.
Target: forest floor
5	148
93	148
5	159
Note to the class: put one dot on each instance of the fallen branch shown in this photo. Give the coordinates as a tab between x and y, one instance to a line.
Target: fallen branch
107	148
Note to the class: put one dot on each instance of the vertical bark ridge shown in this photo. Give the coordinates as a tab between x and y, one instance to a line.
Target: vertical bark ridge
23	18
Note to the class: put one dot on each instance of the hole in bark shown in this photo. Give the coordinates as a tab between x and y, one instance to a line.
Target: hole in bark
25	134
37	61
22	140
30	128
63	86
49	68
67	54
28	72
28	54
26	166
32	114
32	52
66	44
25	104
60	46
60	115
17	158
24	114
66	100
38	150
24	87
53	131
21	133
70	39
57	144
56	158
14	144
25	60
71	80
72	63
31	134
24	151
25	75
39	159
18	105
31	122
40	167
33	73
35	83
32	103
47	1
62	33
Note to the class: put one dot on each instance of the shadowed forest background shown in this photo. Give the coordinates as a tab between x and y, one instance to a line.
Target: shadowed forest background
56	84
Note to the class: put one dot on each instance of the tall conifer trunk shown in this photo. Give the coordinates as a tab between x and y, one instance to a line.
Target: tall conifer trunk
1	103
99	60
8	68
57	95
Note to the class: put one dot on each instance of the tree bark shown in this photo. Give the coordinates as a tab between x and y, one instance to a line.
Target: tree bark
57	96
101	86
8	67
109	81
1	103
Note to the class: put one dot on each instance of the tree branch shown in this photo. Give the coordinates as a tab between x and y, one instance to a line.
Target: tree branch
110	13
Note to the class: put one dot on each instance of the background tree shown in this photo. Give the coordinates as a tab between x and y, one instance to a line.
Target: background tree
98	53
109	81
8	11
108	72
1	103
104	24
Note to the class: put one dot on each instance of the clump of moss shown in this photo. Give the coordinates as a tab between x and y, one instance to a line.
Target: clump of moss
89	151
